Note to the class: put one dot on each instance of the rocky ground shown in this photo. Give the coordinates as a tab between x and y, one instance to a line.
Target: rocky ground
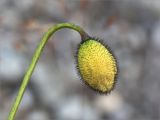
130	28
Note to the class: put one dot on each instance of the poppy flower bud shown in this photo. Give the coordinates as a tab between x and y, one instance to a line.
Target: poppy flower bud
97	65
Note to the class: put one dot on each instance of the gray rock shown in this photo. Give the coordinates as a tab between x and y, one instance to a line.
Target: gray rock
37	115
156	36
12	61
10	18
74	109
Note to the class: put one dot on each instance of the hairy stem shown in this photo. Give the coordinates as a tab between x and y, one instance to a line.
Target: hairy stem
35	59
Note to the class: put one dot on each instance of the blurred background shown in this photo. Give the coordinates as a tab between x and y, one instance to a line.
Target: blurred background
130	27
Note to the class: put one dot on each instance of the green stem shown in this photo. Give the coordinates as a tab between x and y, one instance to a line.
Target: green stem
35	59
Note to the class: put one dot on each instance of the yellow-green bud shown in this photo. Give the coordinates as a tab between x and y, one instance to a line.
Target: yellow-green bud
97	65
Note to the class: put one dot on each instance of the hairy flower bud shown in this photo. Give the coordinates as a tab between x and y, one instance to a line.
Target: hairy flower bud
97	65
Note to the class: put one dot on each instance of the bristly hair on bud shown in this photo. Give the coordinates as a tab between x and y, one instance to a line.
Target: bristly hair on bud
97	66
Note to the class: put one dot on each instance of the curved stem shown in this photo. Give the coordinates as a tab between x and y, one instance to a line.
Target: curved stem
35	59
